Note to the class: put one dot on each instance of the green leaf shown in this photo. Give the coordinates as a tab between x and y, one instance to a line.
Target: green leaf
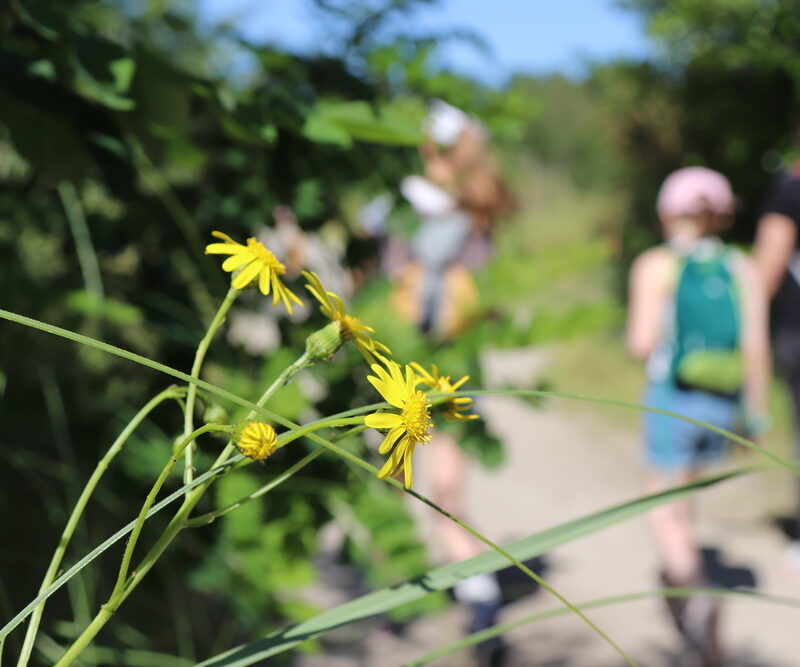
447	576
38	16
325	131
342	122
104	72
111	310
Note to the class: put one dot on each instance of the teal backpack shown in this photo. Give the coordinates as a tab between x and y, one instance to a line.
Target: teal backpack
707	333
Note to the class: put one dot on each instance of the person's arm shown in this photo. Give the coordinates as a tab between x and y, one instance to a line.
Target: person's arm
651	279
755	338
775	240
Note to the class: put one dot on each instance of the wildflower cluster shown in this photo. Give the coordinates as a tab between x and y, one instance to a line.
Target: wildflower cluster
407	420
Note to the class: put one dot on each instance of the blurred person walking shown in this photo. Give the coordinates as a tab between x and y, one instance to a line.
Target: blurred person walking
698	316
777	254
457	202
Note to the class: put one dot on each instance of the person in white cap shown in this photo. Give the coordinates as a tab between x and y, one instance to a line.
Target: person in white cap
456	200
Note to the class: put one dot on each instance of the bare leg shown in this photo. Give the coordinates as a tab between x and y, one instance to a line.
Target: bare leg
448	466
674	534
697	618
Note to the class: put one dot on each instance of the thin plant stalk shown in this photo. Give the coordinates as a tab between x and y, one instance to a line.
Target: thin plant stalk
283	378
238	400
77	512
209	517
151	497
125	585
199	357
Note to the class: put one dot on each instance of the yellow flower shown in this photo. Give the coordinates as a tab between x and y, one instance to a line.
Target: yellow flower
257	440
441	384
409	427
254	262
350	327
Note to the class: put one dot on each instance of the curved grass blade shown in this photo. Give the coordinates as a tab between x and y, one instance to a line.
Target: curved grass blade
222	393
276	418
116	537
143	361
445	577
495	630
735	437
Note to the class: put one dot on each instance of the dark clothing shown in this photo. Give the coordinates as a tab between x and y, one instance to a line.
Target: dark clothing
784	198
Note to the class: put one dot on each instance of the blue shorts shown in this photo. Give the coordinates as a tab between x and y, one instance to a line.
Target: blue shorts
672	443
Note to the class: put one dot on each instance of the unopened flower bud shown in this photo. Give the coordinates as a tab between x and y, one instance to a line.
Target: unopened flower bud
323	344
256	440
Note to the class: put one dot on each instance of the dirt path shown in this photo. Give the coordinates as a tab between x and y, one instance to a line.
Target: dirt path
564	462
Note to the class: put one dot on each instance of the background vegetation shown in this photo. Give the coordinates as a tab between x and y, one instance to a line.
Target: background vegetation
128	133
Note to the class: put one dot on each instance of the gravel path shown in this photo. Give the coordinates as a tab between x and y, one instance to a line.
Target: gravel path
564	461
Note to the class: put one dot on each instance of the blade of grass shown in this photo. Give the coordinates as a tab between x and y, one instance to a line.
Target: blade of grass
233	398
495	630
343	453
116	537
445	577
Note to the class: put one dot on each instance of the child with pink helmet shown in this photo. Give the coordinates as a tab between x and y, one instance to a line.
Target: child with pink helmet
698	318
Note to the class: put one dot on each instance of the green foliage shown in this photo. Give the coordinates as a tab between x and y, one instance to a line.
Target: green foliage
129	108
688	107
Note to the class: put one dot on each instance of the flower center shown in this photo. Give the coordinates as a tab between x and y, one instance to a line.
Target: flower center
417	417
265	256
348	325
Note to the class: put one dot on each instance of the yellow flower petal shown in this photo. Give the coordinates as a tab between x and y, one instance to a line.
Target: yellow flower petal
224	249
235	261
394	461
390	392
224	237
390	439
383	420
247	275
338	303
407	472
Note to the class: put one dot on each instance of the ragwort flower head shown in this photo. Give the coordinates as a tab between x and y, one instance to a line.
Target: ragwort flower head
351	328
257	440
407	428
441	384
254	262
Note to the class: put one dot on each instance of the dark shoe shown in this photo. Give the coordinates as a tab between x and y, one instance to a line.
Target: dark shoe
699	624
492	652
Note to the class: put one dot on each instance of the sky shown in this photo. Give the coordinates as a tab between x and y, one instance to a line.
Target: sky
538	36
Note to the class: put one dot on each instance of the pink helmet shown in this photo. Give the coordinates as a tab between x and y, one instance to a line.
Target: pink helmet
693	190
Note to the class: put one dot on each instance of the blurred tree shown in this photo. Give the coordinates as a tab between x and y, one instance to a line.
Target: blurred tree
722	91
121	148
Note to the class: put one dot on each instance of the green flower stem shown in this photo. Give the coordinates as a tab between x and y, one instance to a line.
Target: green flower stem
125	585
151	497
77	512
285	376
205	519
209	517
283	379
199	357
238	400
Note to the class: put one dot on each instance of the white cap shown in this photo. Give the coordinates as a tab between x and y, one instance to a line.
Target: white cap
426	199
445	122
